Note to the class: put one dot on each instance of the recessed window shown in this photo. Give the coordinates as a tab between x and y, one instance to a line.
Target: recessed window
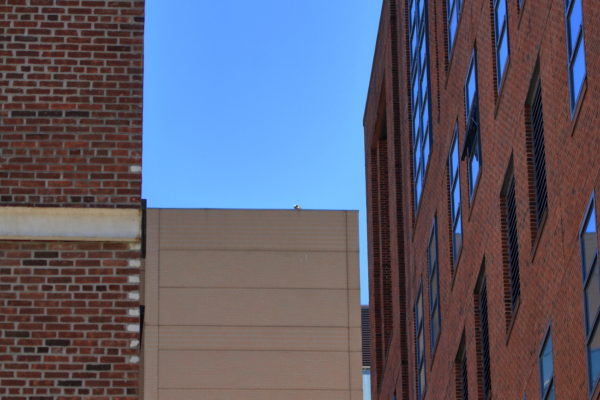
420	344
420	93
500	39
455	203
547	369
536	159
434	286
460	372
575	49
453	8
482	338
591	283
510	244
472	146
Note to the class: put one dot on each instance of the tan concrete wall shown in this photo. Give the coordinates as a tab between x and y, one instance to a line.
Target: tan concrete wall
252	304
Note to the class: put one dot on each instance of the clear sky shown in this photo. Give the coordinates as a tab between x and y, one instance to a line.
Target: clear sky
258	104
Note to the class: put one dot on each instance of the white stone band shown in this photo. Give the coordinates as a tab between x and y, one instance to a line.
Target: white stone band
72	224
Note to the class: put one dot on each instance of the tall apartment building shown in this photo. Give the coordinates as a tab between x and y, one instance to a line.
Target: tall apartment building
483	171
70	208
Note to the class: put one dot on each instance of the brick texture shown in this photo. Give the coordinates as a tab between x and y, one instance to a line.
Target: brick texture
68	320
71	102
549	259
70	136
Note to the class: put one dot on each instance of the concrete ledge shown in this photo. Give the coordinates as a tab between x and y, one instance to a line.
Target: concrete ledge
71	224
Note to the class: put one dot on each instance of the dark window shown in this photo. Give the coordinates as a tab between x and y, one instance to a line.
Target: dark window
455	203
591	284
420	344
482	338
460	370
434	287
500	38
575	49
537	158
420	91
510	238
472	146
453	8
547	369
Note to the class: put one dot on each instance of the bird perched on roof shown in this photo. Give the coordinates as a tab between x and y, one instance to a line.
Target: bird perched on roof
297	207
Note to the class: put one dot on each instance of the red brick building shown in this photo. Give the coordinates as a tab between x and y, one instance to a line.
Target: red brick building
483	176
70	187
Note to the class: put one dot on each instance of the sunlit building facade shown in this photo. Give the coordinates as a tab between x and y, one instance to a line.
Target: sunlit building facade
482	157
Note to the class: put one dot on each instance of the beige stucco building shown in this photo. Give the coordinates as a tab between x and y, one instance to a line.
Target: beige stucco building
251	304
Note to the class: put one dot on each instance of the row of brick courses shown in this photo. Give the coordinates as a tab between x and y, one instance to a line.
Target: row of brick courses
71	77
65	320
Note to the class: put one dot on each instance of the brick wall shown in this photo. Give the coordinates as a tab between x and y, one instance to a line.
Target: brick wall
551	287
71	102
71	137
70	320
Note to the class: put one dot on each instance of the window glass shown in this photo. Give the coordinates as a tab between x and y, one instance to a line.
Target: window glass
592	298
419	74
502	54
419	308
589	239
457	236
500	14
546	365
418	151
415	97
575	48
366	381
417	127
435	325
422	382
594	356
452	16
433	249
413	13
425	82
501	38
578	70
575	22
455	165
414	45
434	287
426	148
419	186
470	88
456	201
421	344
474	166
551	395
452	28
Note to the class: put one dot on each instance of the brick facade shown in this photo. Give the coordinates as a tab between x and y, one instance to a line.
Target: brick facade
551	290
70	137
66	320
71	102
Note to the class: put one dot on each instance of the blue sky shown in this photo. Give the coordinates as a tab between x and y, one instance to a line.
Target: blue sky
258	104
